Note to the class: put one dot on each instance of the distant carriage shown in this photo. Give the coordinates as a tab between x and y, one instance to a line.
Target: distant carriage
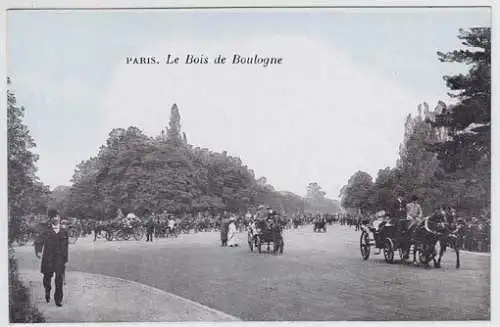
319	225
266	233
125	229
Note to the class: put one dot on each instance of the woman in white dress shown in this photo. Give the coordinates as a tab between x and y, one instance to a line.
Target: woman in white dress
232	239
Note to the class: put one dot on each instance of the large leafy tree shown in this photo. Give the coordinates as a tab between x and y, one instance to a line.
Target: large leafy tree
466	152
26	194
445	156
134	172
468	123
358	192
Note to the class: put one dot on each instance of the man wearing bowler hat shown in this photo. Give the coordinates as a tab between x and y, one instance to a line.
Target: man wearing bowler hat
54	243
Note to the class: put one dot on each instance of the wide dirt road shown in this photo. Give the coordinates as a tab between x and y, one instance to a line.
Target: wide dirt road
321	276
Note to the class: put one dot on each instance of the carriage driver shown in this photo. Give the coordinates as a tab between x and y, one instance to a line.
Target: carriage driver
414	212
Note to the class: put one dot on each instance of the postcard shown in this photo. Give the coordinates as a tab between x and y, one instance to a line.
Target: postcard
261	164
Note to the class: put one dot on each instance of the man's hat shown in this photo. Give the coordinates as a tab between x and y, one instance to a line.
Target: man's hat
52	213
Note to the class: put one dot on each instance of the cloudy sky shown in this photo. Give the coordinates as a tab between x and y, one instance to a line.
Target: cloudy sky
336	104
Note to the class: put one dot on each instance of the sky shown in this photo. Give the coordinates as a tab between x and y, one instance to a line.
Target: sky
337	103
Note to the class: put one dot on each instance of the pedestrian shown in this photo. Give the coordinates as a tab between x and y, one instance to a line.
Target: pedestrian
232	238
54	243
150	228
223	231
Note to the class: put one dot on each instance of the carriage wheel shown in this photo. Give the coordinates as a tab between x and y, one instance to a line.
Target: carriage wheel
389	250
364	245
138	234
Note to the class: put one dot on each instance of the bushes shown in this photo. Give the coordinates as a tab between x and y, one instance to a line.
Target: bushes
20	308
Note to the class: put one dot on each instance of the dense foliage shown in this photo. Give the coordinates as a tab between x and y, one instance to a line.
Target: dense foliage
137	173
20	308
445	155
26	194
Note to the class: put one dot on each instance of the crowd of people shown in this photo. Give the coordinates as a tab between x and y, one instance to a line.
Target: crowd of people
474	236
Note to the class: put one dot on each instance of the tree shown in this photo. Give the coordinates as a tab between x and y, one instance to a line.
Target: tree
25	194
468	123
386	183
358	192
174	133
314	193
25	191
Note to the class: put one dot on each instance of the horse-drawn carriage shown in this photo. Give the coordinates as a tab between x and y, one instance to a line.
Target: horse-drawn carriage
265	232
385	237
319	225
125	229
392	236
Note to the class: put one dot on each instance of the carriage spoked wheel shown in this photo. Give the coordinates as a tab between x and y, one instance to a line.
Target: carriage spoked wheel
364	245
138	234
389	250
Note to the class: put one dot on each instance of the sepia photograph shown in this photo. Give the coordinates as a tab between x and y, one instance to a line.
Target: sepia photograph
248	164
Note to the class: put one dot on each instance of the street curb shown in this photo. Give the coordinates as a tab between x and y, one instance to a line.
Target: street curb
164	293
103	285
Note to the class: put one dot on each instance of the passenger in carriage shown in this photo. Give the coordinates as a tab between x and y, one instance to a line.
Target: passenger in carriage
396	213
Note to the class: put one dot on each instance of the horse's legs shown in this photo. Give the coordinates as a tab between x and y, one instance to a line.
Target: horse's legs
414	252
442	249
457	252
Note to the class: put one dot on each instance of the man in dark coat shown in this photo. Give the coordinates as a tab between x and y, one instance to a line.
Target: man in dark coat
224	230
150	226
54	242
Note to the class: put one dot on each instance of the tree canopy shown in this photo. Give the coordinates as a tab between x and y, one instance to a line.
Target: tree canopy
134	172
445	155
26	193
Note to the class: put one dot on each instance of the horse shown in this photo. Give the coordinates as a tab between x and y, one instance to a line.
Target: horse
425	236
450	239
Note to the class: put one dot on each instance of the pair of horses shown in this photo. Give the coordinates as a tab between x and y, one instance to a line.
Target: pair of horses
435	231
